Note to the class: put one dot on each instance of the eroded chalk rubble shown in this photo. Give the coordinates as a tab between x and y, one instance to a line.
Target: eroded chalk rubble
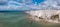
51	16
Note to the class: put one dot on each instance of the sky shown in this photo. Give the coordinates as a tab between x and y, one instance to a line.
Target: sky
12	4
32	4
4	2
38	1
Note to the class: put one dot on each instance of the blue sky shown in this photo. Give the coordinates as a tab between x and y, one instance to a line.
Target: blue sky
38	1
33	1
5	2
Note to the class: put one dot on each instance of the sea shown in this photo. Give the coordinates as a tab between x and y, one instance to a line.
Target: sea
17	19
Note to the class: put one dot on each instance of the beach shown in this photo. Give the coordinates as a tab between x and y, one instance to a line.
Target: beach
18	19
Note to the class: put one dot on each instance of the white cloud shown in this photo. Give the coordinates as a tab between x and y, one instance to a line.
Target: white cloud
48	4
51	3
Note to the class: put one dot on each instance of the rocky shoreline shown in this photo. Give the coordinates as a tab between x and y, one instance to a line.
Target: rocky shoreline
45	16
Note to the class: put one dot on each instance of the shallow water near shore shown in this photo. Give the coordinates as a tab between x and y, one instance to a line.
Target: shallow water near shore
18	19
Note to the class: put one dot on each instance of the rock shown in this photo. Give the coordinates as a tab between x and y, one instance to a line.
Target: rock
46	15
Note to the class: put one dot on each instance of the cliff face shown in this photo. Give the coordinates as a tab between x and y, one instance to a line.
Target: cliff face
51	16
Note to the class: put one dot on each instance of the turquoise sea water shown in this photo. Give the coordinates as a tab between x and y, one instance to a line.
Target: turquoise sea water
14	19
17	19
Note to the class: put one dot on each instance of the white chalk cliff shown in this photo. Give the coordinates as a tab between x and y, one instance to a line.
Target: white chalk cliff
52	16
